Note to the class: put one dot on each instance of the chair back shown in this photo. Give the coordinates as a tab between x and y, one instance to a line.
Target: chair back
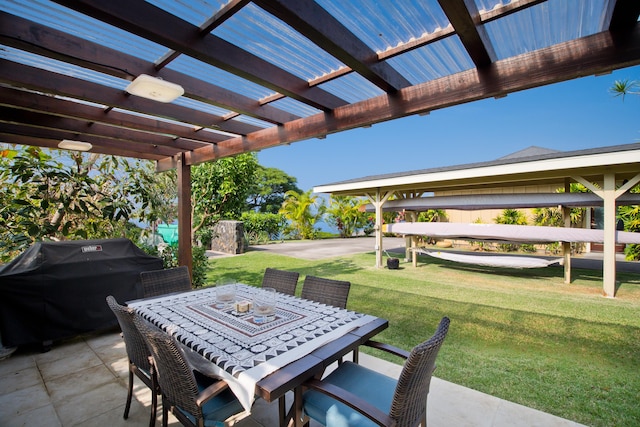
175	375
134	342
409	404
326	291
160	282
282	281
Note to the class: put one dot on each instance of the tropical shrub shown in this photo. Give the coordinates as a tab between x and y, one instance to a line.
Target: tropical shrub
346	214
262	227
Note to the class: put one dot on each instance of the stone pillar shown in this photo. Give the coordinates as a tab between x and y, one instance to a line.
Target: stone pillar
228	237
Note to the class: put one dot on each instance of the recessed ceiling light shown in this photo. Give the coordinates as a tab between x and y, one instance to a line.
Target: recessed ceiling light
69	144
154	88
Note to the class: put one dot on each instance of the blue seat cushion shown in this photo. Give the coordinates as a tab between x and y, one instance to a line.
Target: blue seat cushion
377	389
218	408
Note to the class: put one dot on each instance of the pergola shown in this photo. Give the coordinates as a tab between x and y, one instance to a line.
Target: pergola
257	74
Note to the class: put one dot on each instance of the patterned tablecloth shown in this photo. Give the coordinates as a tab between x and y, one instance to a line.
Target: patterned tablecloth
236	348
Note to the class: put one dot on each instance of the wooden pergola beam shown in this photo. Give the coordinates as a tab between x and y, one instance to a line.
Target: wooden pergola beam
155	24
226	12
465	18
51	43
83	129
577	58
114	146
314	22
185	136
53	83
36	141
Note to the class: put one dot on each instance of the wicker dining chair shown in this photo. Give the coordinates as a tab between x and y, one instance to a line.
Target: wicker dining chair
282	281
326	291
194	399
160	282
138	355
354	395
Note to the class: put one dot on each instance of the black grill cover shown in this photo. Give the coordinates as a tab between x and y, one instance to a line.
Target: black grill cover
57	290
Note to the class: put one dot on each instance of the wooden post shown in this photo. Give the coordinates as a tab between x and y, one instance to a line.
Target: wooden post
185	256
566	246
609	249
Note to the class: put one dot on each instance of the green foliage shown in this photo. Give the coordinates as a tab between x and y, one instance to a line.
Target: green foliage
433	215
625	87
262	227
59	195
302	211
345	213
200	266
630	216
169	256
513	217
219	189
267	191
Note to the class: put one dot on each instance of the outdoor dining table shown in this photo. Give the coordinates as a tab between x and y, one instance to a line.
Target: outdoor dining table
263	360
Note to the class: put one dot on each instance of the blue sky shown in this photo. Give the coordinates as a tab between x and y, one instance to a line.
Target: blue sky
572	115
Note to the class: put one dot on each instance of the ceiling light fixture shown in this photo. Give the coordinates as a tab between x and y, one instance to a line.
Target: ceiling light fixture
154	88
69	144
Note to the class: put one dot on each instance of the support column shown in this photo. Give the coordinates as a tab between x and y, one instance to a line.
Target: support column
609	250
185	256
410	242
566	246
377	201
609	194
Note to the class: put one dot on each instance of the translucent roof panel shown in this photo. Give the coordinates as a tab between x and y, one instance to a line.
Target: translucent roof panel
201	106
195	12
386	23
295	107
82	26
433	61
64	68
208	73
265	36
352	88
544	25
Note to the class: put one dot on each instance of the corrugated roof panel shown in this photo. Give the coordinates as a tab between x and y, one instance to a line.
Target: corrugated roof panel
386	23
433	61
201	106
195	12
488	5
64	19
352	88
544	25
64	68
265	36
208	73
295	107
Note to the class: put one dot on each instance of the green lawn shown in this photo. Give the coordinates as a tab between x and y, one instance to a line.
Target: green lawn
522	335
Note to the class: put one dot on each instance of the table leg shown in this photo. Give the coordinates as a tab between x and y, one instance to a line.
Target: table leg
300	419
283	416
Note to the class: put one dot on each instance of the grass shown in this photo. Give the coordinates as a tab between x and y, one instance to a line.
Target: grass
521	335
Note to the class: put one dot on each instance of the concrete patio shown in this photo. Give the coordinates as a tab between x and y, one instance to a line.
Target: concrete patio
82	382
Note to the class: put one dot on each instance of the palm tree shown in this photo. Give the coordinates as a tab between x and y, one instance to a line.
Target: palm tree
625	87
298	209
344	212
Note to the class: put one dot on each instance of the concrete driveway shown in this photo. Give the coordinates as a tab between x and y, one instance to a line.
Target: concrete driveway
329	248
